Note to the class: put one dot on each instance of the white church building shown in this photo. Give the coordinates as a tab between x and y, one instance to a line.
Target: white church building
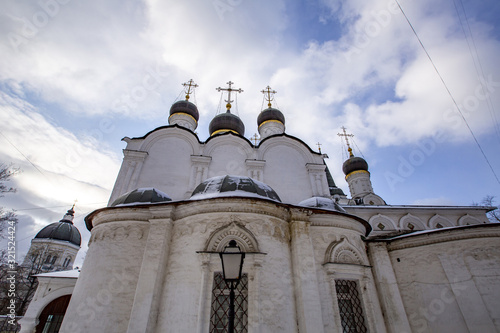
317	260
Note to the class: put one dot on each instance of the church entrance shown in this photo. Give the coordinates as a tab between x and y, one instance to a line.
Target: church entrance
51	318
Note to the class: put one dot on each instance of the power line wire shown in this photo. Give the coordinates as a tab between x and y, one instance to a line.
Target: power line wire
26	157
479	71
449	93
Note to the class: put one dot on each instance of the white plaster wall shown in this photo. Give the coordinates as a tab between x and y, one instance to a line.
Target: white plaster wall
163	160
104	293
327	234
227	159
44	247
167	167
285	171
273	307
451	286
48	290
428	215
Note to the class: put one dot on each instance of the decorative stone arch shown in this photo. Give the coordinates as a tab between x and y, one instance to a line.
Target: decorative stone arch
468	220
411	222
343	252
438	221
30	319
234	140
234	230
171	132
381	222
285	141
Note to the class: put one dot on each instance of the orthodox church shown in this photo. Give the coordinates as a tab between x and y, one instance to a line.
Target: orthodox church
316	259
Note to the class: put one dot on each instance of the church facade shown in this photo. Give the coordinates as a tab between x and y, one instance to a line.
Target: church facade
316	259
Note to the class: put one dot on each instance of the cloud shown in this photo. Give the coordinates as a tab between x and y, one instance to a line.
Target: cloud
67	168
353	63
440	201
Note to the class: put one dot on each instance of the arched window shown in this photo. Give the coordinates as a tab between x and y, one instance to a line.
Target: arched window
220	305
66	262
52	315
54	258
48	259
350	307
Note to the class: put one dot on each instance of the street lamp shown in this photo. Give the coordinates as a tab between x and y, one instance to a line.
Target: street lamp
232	264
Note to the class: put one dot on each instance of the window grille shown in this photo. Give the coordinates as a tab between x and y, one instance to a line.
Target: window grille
220	305
351	310
53	324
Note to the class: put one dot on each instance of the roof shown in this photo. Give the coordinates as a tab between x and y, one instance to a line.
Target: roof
140	196
63	230
70	274
233	186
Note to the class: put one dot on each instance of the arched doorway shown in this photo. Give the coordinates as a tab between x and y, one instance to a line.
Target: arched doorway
52	315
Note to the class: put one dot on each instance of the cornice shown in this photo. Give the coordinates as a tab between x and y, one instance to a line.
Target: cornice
443	235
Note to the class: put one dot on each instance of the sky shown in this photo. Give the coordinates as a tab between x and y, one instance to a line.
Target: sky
78	76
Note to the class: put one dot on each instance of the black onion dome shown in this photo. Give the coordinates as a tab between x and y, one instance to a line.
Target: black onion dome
63	230
227	122
270	114
354	164
141	196
185	107
227	186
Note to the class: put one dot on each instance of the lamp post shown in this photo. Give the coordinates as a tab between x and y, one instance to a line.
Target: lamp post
232	264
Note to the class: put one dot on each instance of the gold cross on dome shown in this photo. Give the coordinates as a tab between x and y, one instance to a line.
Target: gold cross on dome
319	146
346	136
255	138
190	85
268	98
229	90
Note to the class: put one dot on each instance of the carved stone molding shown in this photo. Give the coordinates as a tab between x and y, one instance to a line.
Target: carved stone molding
445	235
234	230
343	252
117	232
411	222
386	222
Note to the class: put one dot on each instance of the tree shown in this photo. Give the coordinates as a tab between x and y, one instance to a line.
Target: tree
494	215
6	173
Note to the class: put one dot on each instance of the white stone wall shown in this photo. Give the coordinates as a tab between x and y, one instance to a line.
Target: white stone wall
151	269
104	294
397	218
48	290
169	160
41	248
448	281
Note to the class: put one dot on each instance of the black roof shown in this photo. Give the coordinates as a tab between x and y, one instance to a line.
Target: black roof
141	195
354	164
227	121
63	230
185	107
225	185
270	114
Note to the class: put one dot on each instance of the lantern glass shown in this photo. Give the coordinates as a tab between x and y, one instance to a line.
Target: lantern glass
232	261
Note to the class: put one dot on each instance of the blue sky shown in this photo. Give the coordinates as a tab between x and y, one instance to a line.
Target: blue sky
77	76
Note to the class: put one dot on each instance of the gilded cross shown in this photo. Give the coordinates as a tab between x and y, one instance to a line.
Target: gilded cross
190	85
255	138
346	136
319	146
268	98
229	90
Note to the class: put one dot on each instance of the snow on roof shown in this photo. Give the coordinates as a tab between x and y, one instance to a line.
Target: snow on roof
230	186
237	193
71	274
